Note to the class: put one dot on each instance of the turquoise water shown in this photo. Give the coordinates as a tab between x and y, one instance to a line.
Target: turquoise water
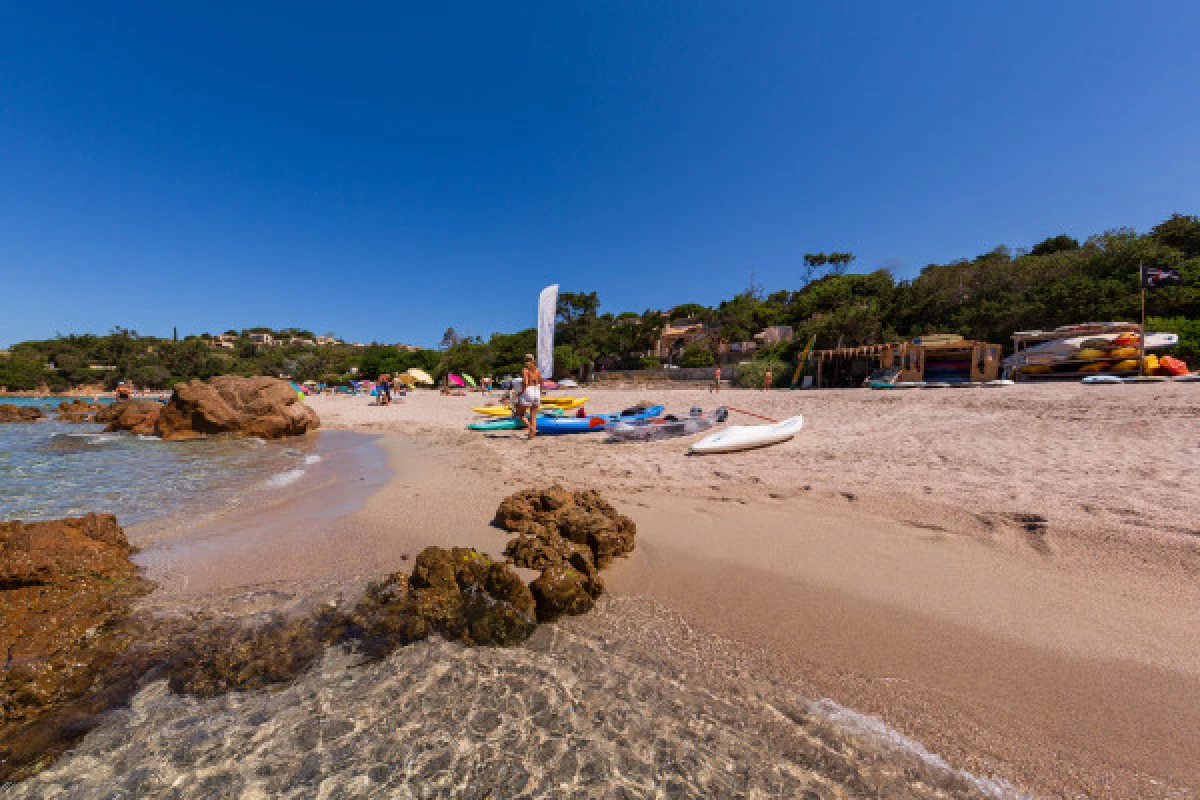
54	469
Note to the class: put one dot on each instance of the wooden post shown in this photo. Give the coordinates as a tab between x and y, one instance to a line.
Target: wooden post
1142	338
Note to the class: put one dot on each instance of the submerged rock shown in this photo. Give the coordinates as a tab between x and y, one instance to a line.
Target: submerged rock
65	590
10	412
262	407
547	515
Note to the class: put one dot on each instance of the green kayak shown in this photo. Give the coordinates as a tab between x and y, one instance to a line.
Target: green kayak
509	423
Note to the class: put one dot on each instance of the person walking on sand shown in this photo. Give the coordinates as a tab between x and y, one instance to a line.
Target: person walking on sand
716	387
531	395
767	381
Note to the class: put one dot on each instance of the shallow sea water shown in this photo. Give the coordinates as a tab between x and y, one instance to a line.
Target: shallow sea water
54	469
628	701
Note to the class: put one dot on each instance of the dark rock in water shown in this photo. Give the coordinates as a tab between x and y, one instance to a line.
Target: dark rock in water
226	657
10	412
65	590
584	518
561	590
133	416
262	407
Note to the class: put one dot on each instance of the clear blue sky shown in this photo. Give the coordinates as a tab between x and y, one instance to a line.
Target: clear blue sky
386	171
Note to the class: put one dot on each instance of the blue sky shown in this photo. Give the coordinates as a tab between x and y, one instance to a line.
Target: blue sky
386	171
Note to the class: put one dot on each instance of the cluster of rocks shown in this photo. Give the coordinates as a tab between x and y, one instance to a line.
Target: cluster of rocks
570	537
73	650
10	412
262	407
65	592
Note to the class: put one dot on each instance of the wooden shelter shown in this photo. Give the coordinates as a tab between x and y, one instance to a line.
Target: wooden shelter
943	359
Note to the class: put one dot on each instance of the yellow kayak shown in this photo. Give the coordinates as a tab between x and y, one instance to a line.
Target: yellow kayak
562	403
565	403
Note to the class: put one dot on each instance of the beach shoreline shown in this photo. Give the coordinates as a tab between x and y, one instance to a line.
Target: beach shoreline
1029	637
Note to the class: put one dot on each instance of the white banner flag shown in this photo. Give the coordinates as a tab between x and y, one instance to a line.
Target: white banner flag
547	311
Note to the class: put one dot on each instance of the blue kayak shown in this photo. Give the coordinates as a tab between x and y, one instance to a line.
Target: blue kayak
594	423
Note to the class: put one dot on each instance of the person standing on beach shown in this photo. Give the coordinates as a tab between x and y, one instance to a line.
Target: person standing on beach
767	381
531	395
716	387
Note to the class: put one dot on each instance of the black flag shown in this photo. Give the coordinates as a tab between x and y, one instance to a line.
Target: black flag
1158	277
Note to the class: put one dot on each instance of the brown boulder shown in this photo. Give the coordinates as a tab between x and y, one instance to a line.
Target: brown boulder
10	412
134	416
65	589
78	410
560	590
583	517
267	408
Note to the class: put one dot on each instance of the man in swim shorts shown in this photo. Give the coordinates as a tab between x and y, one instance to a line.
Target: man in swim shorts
531	395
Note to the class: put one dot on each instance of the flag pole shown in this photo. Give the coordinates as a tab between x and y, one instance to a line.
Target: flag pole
1142	338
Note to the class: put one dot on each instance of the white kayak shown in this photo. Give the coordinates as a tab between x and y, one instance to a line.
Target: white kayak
745	437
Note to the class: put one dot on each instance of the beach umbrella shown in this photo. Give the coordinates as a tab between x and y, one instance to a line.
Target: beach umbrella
310	383
470	381
421	376
406	379
457	381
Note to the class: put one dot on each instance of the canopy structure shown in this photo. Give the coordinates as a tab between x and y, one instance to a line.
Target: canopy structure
455	380
421	376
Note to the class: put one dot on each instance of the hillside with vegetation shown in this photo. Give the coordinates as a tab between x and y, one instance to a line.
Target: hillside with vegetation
1059	281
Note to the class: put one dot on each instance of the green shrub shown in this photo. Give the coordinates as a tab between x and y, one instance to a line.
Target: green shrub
651	362
753	374
697	355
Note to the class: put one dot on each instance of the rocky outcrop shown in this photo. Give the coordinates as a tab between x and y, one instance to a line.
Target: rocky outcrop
267	408
10	412
65	589
132	416
583	518
78	410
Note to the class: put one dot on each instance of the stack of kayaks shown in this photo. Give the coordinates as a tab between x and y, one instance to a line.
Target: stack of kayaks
1091	350
596	422
561	404
634	430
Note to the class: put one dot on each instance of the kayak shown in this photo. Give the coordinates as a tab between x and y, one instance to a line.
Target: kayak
627	430
506	424
564	402
506	411
594	423
745	437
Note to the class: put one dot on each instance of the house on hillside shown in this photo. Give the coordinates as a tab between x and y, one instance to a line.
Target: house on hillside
301	341
674	338
262	338
775	335
328	340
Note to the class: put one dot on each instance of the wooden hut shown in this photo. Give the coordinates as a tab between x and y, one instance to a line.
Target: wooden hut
934	359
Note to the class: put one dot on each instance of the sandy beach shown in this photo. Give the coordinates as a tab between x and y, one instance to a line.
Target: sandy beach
1007	576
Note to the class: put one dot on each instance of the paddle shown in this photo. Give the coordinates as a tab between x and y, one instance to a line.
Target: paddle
751	414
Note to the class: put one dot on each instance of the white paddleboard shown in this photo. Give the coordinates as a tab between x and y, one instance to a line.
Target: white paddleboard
1103	379
1000	382
745	437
